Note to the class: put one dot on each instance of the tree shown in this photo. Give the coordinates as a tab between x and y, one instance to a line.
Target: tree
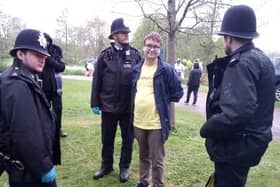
63	31
95	36
184	17
9	28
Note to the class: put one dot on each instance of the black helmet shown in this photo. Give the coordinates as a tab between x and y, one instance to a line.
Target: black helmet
30	39
239	21
118	26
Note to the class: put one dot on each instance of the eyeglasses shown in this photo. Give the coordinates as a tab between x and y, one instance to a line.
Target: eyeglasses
150	46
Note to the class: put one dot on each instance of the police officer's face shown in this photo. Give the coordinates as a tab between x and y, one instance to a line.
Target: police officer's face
121	38
33	60
151	49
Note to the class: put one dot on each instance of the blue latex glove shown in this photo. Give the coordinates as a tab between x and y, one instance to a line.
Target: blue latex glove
49	176
96	110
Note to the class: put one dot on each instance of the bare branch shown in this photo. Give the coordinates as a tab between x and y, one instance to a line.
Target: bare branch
190	4
180	5
150	17
163	5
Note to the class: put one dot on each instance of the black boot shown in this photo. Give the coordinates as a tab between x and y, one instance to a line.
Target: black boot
63	134
124	174
102	172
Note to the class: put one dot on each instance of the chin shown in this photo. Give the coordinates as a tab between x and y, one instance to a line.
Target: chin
39	70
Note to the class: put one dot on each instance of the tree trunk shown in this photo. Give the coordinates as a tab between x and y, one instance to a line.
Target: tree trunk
171	16
171	50
171	59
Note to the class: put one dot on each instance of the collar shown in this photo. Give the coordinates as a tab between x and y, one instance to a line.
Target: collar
118	48
19	69
235	56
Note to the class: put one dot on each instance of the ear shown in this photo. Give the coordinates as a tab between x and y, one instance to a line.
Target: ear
20	54
114	36
228	39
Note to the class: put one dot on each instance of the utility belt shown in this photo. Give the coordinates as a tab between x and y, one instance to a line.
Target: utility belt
8	159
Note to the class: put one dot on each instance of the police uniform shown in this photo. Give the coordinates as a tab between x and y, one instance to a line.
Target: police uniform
240	103
53	89
27	123
111	91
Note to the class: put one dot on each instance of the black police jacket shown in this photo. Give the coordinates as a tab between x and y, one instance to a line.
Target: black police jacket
240	106
54	64
194	77
27	123
112	79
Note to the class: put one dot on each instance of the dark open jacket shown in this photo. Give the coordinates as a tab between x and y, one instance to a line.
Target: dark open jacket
54	64
240	107
167	88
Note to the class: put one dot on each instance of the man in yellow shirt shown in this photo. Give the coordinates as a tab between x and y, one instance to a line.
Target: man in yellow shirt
157	85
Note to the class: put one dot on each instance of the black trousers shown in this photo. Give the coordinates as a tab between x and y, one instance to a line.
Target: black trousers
227	175
109	125
52	184
191	89
55	100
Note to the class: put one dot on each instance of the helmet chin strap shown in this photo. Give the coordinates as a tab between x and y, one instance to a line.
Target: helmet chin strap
122	45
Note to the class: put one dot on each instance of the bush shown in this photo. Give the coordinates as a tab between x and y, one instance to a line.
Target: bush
4	63
74	70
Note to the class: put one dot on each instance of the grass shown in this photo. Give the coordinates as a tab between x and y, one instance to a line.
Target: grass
187	163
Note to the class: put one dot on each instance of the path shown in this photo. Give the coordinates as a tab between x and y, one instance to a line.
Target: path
200	108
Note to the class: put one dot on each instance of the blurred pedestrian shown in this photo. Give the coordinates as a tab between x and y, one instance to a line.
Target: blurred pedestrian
193	83
180	69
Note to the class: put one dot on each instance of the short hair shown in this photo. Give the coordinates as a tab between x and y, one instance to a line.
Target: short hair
153	36
196	65
242	40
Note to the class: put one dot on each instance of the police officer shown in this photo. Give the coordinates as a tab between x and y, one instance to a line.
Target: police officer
26	121
52	87
111	93
240	101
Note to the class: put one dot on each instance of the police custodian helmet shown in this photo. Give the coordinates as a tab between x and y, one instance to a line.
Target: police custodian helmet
30	39
118	26
239	21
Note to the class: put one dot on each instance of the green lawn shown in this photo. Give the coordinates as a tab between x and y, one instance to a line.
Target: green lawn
187	163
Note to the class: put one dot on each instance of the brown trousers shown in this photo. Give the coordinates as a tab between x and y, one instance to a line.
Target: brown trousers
151	156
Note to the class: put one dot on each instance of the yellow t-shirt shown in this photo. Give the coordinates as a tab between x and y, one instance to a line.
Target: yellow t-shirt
145	113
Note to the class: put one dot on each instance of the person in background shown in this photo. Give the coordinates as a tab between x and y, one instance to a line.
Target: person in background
52	87
89	68
27	122
193	83
111	93
180	69
240	101
199	63
155	85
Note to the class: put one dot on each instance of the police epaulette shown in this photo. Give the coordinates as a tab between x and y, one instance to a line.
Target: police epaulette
234	59
107	53
15	72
